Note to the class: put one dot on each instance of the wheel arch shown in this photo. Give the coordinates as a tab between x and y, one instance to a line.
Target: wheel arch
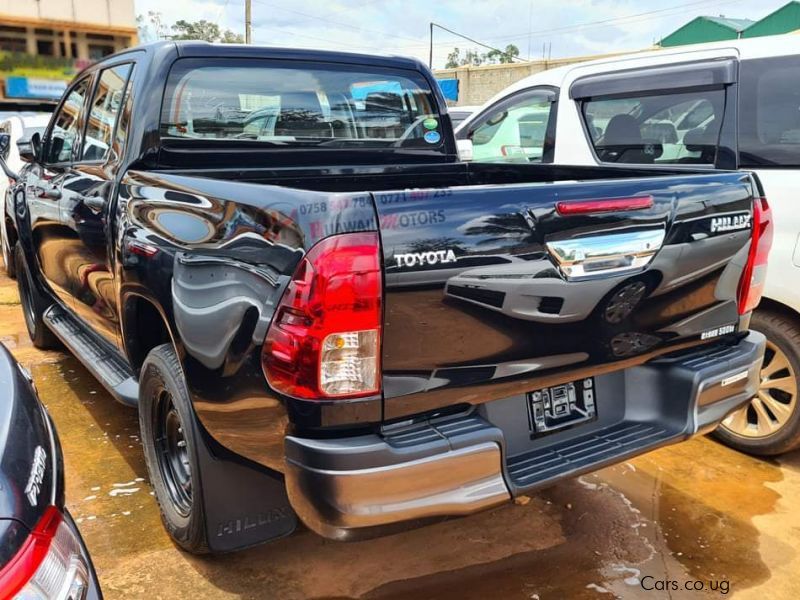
10	229
145	325
769	304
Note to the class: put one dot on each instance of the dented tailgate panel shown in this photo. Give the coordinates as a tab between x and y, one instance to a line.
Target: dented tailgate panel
491	292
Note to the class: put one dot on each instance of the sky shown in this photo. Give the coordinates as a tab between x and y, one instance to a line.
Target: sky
537	27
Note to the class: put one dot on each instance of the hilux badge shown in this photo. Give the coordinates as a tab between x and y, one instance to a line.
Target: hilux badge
433	257
36	477
730	223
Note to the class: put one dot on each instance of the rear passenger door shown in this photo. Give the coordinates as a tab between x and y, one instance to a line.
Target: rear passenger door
47	181
87	193
665	114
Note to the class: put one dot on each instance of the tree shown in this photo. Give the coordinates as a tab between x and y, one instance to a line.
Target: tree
204	30
506	56
474	58
471	57
151	27
229	37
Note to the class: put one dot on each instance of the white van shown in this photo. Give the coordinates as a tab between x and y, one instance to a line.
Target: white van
726	105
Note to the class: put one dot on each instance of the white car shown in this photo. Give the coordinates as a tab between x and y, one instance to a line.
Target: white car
459	114
18	126
726	105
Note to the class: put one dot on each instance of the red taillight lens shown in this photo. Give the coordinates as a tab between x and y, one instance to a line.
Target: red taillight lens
324	341
48	566
28	559
754	275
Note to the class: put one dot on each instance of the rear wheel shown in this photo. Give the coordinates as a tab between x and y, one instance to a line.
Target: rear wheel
770	423
170	443
34	304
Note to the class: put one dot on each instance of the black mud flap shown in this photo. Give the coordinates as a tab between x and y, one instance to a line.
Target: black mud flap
246	504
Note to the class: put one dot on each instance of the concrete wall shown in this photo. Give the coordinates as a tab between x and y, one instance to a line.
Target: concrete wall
478	84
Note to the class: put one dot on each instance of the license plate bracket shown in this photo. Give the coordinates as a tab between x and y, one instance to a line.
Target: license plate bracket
561	406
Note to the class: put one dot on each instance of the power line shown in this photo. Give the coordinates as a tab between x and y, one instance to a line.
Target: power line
625	19
340	24
602	23
360	47
474	41
613	20
346	8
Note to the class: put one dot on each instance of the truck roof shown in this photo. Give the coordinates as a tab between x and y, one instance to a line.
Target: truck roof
195	48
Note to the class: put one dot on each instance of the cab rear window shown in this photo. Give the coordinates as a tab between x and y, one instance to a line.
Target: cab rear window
299	105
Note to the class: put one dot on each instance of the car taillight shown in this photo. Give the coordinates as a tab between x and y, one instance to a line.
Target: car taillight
751	285
325	337
48	566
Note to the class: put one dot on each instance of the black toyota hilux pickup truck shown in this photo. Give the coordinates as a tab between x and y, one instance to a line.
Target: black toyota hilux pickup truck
42	554
321	314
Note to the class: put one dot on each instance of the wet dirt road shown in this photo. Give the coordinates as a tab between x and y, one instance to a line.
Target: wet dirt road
697	514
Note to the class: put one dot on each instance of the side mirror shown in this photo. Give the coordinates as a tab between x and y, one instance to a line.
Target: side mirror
465	151
29	148
14	177
5	145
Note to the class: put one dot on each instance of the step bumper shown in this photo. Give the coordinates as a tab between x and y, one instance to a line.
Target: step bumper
348	488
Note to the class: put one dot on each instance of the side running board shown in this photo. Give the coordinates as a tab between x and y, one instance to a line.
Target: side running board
108	367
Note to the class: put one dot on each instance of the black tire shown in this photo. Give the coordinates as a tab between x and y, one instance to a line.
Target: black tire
34	304
9	262
170	438
783	347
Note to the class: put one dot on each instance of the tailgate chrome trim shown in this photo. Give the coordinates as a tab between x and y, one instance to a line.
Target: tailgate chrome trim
607	254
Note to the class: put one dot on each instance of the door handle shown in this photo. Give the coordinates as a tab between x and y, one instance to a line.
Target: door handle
94	203
52	193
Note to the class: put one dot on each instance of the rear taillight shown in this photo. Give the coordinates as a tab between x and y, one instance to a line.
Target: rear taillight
325	337
48	566
754	276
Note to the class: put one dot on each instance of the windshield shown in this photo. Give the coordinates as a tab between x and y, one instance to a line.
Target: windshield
298	104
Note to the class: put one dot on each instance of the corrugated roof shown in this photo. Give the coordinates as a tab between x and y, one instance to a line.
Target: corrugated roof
782	20
736	25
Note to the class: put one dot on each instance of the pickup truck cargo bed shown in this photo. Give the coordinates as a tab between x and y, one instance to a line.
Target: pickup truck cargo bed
501	317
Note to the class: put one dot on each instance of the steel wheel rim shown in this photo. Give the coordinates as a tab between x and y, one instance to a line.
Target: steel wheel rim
623	303
173	453
770	409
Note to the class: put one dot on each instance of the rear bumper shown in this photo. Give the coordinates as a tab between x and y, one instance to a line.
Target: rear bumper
459	465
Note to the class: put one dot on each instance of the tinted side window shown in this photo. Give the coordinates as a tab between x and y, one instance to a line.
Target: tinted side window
106	104
121	136
65	131
769	112
665	128
515	130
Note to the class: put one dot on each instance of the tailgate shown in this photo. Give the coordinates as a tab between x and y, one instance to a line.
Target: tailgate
492	291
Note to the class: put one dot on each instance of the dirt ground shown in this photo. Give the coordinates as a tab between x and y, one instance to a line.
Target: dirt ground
697	514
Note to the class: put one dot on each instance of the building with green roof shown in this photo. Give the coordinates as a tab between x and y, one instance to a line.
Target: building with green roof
783	20
708	29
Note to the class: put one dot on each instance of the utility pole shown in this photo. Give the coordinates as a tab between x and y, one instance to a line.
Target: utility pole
430	54
248	25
